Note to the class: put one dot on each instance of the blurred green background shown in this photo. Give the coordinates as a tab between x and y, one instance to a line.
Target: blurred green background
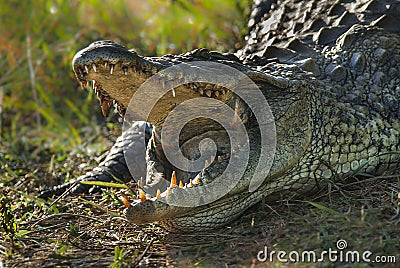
43	108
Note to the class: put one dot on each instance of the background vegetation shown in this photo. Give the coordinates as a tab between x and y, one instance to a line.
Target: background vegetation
41	104
52	131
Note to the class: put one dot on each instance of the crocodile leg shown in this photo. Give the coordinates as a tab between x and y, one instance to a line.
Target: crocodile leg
114	166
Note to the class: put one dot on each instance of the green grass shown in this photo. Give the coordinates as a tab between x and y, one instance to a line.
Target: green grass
52	131
89	231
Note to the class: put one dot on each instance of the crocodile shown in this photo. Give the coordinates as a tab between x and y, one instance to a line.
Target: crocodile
330	73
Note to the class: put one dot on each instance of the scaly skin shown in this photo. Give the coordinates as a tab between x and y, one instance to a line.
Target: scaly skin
330	74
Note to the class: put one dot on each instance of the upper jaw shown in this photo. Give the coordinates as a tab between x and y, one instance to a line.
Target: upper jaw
116	73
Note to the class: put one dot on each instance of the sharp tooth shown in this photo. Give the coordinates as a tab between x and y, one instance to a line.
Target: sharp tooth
190	185
201	91
140	183
216	93
206	163
180	184
219	159
208	93
83	84
196	181
86	69
158	194
125	200
173	180
105	64
125	69
237	107
80	72
111	69
168	192
94	67
142	195
209	86
235	123
104	106
173	92
223	92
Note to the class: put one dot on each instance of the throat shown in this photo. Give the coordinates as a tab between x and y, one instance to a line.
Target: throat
198	148
189	152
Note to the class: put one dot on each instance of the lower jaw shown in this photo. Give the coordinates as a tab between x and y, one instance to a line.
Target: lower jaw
212	216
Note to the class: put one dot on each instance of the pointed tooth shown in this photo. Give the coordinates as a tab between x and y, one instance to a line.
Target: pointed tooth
173	92
219	159
190	184
208	93
105	105
83	84
168	191
173	180
86	69
181	184
235	122
80	72
125	69
216	93
158	194
237	108
196	181
105	64
209	87
206	163
142	195
111	68
124	198
201	91
223	91
94	67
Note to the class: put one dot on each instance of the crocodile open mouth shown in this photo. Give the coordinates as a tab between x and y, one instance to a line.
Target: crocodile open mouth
163	183
116	75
